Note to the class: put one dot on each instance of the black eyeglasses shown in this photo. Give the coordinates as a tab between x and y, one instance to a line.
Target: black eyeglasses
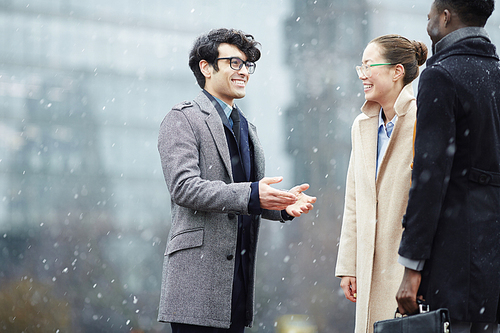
237	63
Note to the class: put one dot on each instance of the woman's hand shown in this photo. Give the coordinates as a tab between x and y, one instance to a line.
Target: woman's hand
348	285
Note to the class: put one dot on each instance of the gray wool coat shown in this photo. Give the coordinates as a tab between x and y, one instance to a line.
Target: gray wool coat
199	260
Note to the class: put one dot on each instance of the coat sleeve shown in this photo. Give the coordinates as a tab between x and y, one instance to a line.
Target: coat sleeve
434	152
346	259
181	149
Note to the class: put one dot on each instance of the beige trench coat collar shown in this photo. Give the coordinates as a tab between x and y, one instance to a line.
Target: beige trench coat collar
369	130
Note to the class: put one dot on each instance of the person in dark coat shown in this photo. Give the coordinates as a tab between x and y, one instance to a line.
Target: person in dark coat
451	243
213	165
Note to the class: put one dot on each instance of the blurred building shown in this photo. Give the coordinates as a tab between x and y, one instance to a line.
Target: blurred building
82	91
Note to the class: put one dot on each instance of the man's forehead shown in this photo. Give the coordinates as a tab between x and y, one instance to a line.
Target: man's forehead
230	50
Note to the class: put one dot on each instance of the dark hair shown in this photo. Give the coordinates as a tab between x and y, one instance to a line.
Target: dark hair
473	13
397	49
206	47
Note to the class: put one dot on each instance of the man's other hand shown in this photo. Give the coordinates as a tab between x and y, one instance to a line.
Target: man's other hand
304	201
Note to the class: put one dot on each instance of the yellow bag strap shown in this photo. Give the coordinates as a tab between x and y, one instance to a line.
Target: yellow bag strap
414	133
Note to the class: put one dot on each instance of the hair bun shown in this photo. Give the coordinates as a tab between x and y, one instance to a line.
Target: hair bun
420	52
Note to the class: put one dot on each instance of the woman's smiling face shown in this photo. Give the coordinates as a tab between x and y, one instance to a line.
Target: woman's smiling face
380	83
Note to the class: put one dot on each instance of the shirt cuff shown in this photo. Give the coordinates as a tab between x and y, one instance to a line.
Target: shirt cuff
254	202
416	265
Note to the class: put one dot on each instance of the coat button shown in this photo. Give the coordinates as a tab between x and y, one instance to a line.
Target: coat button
231	215
483	179
230	257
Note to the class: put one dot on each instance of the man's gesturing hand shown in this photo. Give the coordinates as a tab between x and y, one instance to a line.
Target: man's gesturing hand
304	202
273	199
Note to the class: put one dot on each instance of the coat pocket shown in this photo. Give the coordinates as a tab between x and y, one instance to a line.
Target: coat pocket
185	239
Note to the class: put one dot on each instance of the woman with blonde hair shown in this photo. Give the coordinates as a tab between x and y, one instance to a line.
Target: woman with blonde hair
378	178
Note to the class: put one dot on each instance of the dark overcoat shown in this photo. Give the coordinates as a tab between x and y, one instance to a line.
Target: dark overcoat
453	215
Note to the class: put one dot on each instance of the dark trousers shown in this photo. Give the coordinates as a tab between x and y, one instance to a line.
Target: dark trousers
237	312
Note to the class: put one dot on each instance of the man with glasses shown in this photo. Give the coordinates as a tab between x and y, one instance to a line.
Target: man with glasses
213	165
451	242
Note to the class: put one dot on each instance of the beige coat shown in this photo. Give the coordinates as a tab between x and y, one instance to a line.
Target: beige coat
371	227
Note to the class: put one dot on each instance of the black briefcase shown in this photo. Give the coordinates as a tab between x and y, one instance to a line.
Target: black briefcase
426	321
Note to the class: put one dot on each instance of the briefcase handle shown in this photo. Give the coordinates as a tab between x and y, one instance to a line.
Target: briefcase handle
422	308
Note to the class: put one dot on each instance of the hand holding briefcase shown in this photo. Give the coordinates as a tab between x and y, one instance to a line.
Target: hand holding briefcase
426	321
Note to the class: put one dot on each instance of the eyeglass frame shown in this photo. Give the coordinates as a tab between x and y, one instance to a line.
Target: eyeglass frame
250	65
361	72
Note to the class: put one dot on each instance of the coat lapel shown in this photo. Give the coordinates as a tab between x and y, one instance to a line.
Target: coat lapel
368	131
258	152
402	106
216	127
